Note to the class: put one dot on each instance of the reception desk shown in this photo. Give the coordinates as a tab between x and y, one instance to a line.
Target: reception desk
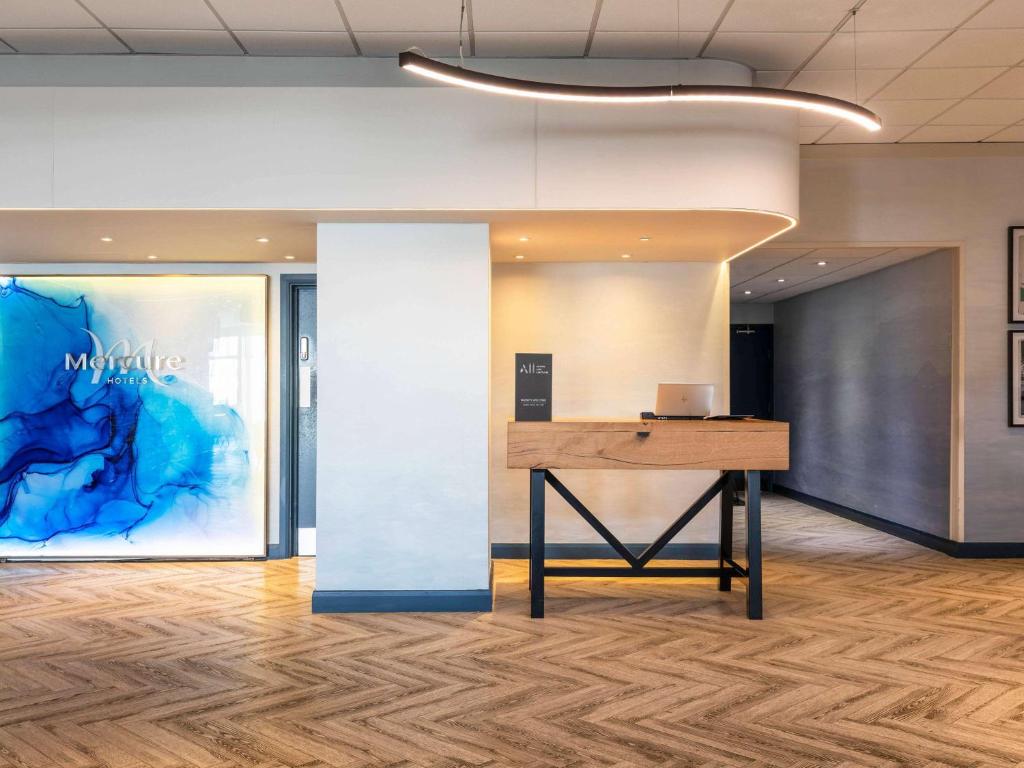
730	447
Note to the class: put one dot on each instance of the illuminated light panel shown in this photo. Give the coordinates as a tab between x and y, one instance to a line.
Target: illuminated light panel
648	94
790	223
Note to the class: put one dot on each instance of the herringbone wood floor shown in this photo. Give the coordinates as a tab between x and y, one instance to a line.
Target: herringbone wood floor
874	652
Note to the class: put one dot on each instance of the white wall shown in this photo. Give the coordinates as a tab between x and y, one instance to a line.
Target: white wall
403	313
385	148
274	271
964	194
616	330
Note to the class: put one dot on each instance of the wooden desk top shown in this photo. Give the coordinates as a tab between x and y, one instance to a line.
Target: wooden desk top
622	444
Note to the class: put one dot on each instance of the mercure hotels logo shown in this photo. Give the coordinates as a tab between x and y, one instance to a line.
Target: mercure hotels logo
122	364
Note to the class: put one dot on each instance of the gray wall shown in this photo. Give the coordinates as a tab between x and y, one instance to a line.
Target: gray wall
863	375
755	314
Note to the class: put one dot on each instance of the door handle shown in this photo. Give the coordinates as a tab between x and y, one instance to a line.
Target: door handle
304	348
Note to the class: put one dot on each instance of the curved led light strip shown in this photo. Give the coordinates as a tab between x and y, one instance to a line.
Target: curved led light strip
645	94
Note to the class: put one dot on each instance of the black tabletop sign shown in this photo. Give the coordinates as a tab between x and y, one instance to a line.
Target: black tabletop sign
533	387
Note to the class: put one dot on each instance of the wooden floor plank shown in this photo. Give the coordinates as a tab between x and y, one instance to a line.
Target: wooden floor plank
874	652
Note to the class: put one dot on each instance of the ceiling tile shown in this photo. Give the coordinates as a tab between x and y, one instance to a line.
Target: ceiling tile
810	134
939	83
842	264
393	43
875	50
947	133
910	111
841	84
298	43
769	78
977	48
196	42
761	261
531	44
659	15
1007	86
847	255
889	15
983	112
647	45
274	15
402	15
845	133
532	15
807	267
154	14
770	50
1013	133
784	15
44	14
62	41
1000	14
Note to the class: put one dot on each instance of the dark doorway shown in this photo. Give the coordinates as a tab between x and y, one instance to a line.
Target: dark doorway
750	374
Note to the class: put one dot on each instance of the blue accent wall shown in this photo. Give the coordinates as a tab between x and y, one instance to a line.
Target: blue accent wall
863	376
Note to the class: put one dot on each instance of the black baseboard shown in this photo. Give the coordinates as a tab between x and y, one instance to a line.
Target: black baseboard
966	549
402	601
521	551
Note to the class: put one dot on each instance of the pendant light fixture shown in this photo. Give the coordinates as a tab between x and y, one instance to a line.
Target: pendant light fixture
417	63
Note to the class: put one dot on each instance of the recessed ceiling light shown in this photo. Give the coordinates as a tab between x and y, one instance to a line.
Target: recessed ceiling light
746	293
524	239
627	255
290	257
644	238
152	257
106	239
781	280
822	263
520	256
262	239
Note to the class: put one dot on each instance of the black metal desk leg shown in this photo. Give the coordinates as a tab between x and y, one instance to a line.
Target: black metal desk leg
755	609
537	479
725	532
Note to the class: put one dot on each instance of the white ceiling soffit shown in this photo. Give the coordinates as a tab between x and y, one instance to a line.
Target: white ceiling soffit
773	273
273	236
935	70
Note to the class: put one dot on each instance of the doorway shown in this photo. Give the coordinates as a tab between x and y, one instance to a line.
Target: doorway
751	351
298	417
750	370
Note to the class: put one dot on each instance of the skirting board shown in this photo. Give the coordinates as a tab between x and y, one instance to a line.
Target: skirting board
521	551
402	601
966	549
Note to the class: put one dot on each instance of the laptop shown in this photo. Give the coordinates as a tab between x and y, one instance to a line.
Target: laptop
684	401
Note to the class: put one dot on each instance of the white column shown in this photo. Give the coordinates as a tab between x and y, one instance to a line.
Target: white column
402	454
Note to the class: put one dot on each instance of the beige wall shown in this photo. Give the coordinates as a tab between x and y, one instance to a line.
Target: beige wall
616	330
966	194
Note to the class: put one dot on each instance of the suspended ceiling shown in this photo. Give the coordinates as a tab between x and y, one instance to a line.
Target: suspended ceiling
935	70
776	272
237	236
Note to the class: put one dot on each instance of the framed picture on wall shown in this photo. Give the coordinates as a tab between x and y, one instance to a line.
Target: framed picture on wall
1016	383
1016	274
133	416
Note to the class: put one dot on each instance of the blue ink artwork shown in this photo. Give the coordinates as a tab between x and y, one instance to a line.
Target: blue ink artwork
111	451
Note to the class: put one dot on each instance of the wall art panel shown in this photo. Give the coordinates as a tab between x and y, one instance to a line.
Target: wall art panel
133	416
